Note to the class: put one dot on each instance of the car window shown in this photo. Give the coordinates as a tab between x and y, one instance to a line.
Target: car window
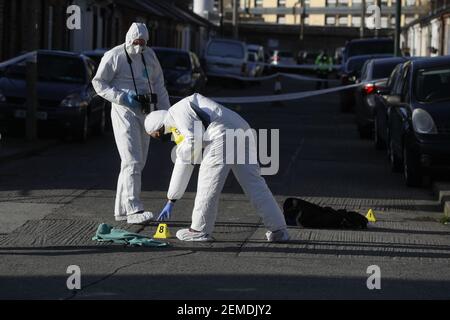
91	68
61	68
364	70
432	84
225	50
383	70
392	78
173	60
405	84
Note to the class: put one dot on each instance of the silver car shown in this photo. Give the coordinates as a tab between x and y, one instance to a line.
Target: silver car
226	57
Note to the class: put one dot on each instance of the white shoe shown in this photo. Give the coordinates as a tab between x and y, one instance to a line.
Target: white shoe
188	235
120	218
137	218
277	236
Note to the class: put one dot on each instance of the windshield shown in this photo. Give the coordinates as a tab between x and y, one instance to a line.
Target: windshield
432	84
384	69
226	50
375	47
60	68
51	68
173	60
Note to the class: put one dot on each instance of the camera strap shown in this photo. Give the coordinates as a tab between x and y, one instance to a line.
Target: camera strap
132	73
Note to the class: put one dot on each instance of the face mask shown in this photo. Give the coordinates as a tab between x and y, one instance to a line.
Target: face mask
136	49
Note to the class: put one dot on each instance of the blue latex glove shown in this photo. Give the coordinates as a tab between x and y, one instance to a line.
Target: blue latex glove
130	101
166	211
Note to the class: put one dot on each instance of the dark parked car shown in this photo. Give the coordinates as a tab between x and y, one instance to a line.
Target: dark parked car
183	73
95	55
419	119
350	74
374	74
362	47
66	98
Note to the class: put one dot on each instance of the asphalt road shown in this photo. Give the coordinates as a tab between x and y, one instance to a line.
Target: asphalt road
52	203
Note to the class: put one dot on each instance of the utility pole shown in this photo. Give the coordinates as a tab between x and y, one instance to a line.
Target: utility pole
302	19
363	18
398	16
235	20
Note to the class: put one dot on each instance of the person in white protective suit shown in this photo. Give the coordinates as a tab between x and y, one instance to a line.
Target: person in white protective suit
126	74
183	120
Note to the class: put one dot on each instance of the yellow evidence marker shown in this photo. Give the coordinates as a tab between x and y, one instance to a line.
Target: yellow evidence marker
371	216
162	232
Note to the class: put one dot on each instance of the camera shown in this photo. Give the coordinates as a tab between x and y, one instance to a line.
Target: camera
148	102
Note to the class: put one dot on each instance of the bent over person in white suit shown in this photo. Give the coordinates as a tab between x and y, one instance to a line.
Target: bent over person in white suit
181	121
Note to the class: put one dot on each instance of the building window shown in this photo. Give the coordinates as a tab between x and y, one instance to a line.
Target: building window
410	3
384	2
258	3
356	2
356	21
343	21
307	3
282	3
331	3
281	19
342	3
330	20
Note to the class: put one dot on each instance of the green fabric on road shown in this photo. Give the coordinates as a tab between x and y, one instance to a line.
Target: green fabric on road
107	233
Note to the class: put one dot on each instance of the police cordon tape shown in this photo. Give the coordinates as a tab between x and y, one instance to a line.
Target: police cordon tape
269	77
281	97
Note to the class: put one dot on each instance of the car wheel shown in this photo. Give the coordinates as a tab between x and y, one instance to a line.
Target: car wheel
377	141
411	169
99	128
81	133
394	160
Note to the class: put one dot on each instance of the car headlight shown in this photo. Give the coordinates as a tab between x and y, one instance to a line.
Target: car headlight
184	79
74	100
2	97
422	122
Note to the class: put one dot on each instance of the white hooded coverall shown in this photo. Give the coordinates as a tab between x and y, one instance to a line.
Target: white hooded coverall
112	81
213	168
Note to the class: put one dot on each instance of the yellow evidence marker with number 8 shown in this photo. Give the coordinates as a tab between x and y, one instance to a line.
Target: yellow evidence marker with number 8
162	232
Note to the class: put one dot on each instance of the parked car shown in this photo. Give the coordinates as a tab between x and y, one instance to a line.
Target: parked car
282	58
350	75
370	46
374	74
419	117
259	53
226	57
97	55
183	74
66	97
381	110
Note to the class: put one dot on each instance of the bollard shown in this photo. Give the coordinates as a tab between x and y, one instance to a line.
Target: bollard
31	128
